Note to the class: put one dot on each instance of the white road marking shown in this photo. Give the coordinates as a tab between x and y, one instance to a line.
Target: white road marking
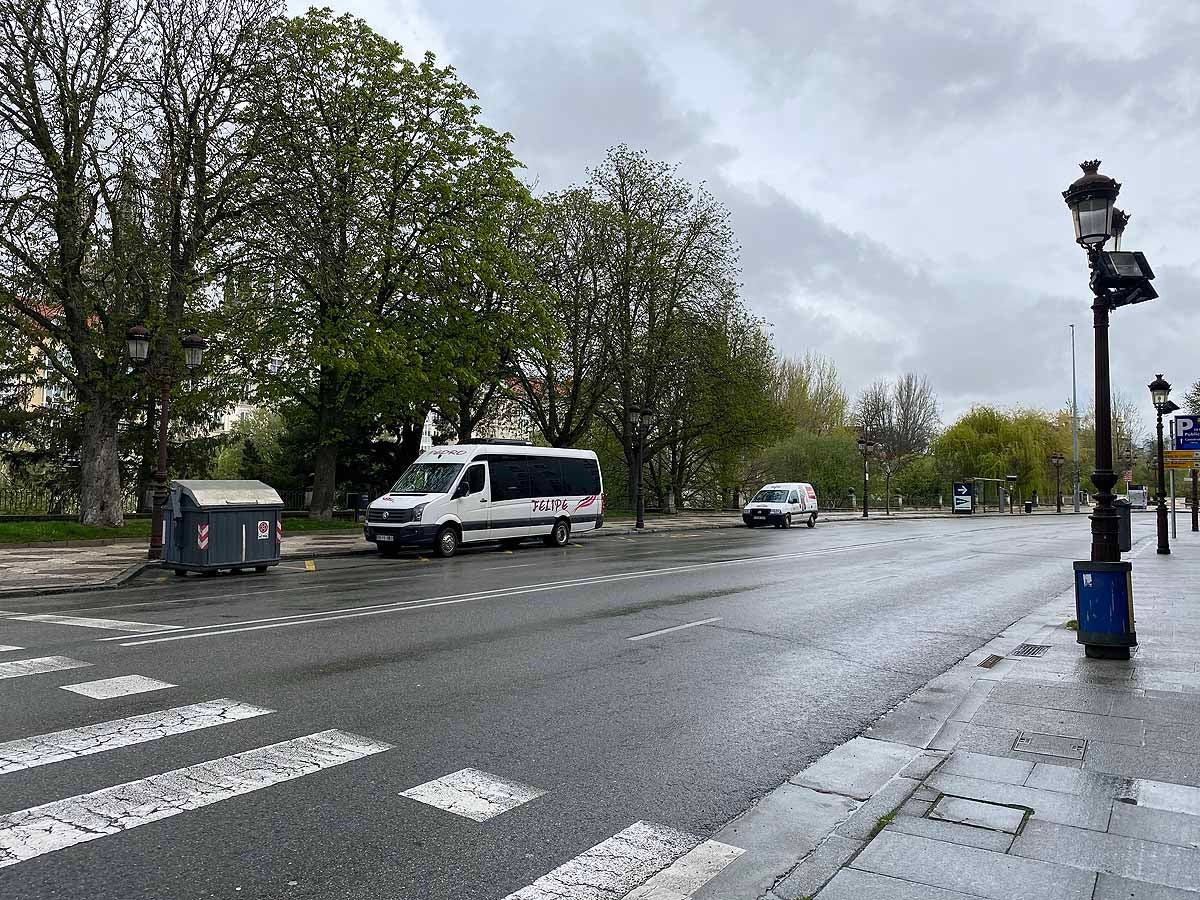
452	599
510	566
64	823
86	622
4	648
688	874
39	666
650	634
473	794
44	749
613	867
121	686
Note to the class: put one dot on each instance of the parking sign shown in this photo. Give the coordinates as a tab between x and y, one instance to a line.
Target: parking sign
1187	432
264	529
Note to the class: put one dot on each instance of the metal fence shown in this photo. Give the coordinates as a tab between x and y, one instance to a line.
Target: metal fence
16	501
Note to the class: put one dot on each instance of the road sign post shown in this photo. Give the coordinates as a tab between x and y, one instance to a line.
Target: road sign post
964	497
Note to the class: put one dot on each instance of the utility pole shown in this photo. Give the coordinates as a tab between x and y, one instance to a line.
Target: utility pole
1074	424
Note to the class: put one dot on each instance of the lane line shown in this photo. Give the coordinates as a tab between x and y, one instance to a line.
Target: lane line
55	826
4	648
423	603
613	867
39	666
650	634
88	622
121	686
688	874
473	794
44	749
510	566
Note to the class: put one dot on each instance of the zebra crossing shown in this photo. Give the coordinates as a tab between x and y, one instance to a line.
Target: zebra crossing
644	861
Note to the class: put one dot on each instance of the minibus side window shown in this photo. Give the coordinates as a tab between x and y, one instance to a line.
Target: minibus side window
795	497
475	479
547	477
510	477
581	476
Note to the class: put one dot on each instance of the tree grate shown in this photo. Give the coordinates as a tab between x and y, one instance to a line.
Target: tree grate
990	661
1030	650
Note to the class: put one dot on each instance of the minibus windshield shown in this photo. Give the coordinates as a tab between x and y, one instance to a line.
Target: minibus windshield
770	497
427	478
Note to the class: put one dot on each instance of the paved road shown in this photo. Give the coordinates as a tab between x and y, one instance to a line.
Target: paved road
370	678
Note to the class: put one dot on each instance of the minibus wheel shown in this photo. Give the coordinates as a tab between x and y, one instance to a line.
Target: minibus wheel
446	543
560	536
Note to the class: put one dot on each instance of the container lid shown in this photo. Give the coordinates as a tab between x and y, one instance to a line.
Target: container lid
229	493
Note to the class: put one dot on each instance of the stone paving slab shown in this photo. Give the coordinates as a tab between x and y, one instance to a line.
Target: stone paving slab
1110	887
1158	825
857	768
972	871
952	833
1048	806
1134	858
851	884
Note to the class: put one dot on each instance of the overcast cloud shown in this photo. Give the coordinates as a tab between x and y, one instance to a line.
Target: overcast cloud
893	168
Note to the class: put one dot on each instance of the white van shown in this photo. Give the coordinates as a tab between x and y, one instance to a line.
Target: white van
502	491
782	504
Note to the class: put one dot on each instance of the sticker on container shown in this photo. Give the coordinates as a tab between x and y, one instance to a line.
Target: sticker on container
264	529
202	536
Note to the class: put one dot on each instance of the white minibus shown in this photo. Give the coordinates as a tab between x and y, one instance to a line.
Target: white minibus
502	491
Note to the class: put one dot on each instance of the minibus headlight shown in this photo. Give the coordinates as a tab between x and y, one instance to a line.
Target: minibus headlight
417	510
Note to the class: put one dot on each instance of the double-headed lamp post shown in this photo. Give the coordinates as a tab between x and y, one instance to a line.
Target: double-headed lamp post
138	344
641	418
865	446
1160	391
1057	461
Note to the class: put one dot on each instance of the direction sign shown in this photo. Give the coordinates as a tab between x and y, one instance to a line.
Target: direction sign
1187	432
1181	463
963	497
1181	454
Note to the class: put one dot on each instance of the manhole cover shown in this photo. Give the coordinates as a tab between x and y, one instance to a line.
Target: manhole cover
1050	745
990	661
1028	650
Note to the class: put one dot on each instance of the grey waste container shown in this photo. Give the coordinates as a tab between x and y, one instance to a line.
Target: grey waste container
1124	524
213	525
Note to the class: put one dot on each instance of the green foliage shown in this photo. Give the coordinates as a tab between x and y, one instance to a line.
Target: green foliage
991	443
830	462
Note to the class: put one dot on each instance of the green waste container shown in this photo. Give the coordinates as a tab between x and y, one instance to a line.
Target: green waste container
213	525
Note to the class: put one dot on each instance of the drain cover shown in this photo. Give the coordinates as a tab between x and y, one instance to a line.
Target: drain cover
1028	650
990	661
1050	745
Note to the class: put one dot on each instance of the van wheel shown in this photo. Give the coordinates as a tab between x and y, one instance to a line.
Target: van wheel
812	521
560	536
787	521
446	543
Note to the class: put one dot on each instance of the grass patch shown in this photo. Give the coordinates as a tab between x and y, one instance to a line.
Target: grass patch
31	532
883	822
1073	624
304	523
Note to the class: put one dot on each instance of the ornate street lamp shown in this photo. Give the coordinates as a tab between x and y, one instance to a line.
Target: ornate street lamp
138	343
641	420
1091	198
865	446
1160	393
1057	461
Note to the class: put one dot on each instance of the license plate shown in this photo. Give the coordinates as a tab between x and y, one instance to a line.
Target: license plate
384	537
761	515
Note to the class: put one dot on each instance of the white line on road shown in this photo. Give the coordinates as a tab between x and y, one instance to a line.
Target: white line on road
121	686
509	566
650	634
64	823
473	794
613	867
86	622
44	749
39	666
688	874
452	599
4	648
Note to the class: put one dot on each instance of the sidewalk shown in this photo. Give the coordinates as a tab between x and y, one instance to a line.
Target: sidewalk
1026	771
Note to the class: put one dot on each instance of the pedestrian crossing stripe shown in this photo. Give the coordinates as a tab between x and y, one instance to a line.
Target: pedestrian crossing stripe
33	832
473	794
89	622
44	749
121	686
39	666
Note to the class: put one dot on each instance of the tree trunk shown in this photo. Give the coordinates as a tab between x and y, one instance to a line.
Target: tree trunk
324	482
100	467
410	443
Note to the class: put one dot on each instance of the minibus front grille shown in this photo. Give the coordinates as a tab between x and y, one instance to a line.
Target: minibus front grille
391	516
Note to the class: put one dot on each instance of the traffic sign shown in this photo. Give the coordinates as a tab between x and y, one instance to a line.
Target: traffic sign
1181	463
1187	432
963	497
1182	454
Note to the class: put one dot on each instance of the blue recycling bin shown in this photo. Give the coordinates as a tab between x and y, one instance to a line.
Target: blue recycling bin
1104	608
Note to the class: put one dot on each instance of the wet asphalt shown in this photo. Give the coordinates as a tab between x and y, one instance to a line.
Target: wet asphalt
518	664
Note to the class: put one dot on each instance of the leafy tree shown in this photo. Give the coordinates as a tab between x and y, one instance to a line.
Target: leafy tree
810	394
1191	400
381	224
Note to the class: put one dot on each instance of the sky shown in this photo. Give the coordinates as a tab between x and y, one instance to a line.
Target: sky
893	168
